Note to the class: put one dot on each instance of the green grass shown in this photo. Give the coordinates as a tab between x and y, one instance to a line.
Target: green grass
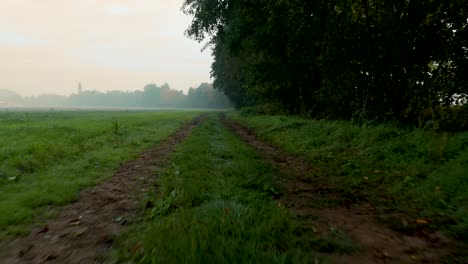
47	157
214	205
421	173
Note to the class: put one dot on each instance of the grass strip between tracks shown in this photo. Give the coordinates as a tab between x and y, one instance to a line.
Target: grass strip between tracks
214	204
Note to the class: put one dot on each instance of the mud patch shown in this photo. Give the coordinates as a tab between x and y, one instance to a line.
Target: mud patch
83	232
321	211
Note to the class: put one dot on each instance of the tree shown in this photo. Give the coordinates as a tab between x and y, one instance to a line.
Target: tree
342	59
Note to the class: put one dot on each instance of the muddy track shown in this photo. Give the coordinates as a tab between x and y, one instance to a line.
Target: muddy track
83	232
304	193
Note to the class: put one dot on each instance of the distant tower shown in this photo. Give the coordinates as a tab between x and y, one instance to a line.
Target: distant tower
80	88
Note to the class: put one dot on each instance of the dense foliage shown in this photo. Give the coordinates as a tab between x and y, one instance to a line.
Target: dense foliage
341	59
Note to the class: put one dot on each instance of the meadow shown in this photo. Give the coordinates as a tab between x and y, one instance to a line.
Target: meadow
219	199
47	157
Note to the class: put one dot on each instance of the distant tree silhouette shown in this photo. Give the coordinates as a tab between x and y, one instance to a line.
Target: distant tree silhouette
152	96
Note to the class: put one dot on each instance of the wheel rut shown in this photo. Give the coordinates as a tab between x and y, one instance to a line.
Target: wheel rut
320	210
84	231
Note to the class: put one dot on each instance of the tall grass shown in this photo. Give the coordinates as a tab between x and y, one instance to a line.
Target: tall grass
422	173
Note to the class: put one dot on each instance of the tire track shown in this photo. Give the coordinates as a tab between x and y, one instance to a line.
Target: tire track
84	231
302	190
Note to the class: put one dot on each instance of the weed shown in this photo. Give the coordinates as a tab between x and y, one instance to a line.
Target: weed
116	127
163	206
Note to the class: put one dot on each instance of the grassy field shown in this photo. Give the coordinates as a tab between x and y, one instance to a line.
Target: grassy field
216	207
46	157
421	173
215	200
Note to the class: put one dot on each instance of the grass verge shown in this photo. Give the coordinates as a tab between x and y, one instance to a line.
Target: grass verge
423	174
214	205
47	157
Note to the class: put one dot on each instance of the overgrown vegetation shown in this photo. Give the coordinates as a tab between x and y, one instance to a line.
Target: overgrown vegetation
364	60
214	205
420	173
47	157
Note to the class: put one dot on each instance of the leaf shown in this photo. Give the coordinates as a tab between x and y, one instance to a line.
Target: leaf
43	230
421	222
80	232
120	220
75	223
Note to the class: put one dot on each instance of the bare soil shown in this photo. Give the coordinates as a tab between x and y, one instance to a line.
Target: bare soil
83	232
321	209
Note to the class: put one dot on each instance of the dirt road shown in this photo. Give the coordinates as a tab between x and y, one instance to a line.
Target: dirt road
322	210
84	231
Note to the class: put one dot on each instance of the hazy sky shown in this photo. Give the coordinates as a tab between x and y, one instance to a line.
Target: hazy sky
48	46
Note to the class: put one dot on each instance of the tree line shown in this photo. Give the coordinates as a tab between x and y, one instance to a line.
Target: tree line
152	96
340	59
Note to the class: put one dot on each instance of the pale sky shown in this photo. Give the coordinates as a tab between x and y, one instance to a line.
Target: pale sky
48	46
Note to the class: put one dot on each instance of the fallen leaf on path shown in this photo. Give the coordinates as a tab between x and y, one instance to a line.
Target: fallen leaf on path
120	220
43	230
422	222
80	232
75	223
